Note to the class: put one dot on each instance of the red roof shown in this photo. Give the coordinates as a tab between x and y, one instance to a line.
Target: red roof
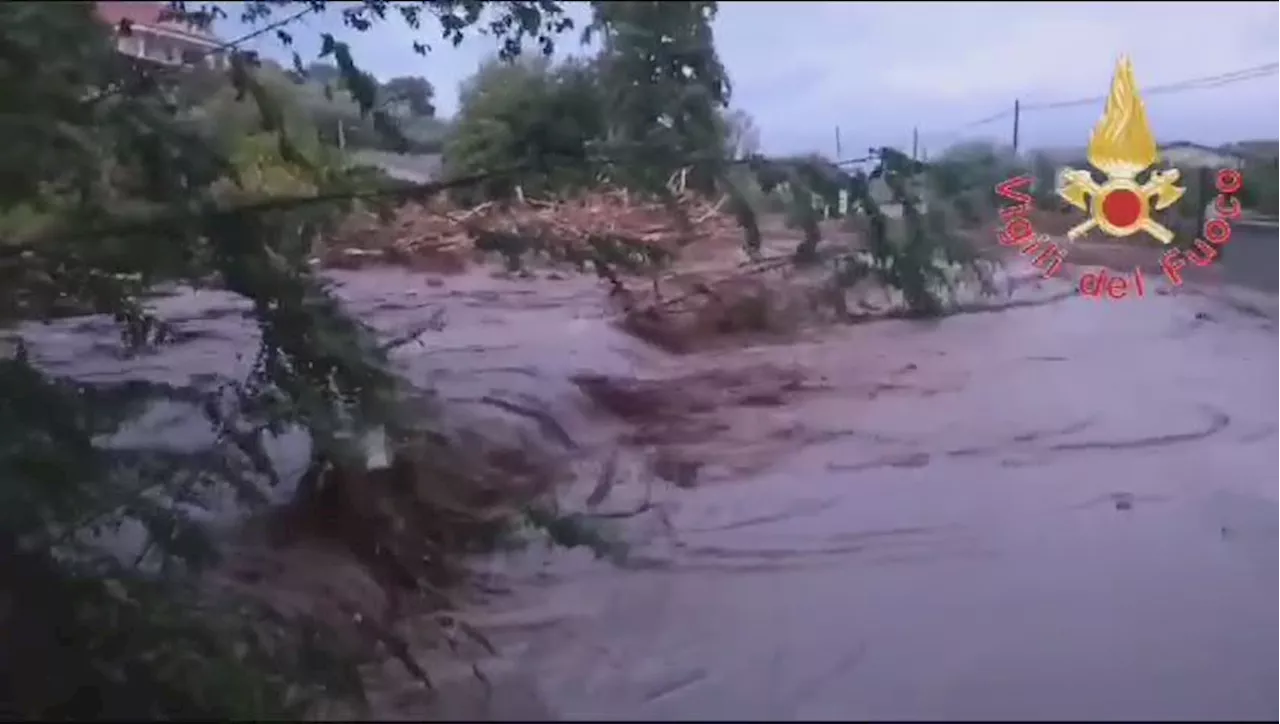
141	13
146	14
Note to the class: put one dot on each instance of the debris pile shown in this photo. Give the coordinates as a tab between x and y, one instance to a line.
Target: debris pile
619	226
758	300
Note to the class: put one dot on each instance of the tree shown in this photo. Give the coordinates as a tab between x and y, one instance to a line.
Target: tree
124	188
665	88
323	73
1045	174
965	176
742	138
414	92
651	103
338	118
529	114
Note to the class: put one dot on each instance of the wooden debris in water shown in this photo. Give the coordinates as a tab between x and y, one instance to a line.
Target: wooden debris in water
442	237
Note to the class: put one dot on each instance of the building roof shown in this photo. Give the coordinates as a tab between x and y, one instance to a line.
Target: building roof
1256	149
1199	147
148	14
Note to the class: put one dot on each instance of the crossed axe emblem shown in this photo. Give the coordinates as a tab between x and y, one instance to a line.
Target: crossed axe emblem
1120	206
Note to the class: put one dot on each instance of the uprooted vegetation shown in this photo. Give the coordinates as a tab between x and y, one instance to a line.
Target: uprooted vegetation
871	265
605	229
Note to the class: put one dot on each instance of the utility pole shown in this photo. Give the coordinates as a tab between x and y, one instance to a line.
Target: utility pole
915	144
838	154
1017	113
1203	185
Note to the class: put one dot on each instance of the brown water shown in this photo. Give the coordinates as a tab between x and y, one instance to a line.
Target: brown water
1062	510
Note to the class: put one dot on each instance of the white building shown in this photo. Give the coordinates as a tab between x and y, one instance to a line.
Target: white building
168	42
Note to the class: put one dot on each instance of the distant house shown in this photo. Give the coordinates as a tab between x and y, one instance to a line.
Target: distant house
1184	154
167	42
1179	154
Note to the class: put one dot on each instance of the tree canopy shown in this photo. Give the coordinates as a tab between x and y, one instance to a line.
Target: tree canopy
416	94
118	175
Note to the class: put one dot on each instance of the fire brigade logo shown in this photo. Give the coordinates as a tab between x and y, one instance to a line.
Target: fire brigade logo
1121	147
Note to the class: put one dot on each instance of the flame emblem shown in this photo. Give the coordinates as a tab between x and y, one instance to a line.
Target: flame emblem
1121	147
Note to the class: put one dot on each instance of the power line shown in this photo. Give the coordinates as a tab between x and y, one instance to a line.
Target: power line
984	121
1212	81
1192	84
231	44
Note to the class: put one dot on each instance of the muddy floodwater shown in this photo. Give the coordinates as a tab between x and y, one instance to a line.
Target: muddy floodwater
1064	509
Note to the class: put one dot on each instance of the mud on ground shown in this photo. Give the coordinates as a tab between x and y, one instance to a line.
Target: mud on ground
980	516
973	517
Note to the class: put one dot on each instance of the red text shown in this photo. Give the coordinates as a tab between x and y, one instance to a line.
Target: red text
1019	233
1217	231
1101	283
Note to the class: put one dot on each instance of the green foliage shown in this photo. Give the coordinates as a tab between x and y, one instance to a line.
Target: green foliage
665	91
916	254
741	137
58	152
413	92
1044	187
221	115
404	102
653	104
973	165
966	176
118	177
530	115
131	647
1261	190
649	105
926	259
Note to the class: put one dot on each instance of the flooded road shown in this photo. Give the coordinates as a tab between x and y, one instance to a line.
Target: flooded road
1253	262
1048	556
1066	509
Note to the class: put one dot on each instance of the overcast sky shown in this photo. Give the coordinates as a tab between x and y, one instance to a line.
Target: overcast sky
879	70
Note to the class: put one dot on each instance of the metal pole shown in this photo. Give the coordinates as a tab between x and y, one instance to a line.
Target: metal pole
1017	113
1204	194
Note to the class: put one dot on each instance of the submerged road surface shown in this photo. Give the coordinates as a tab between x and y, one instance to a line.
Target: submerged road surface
1062	510
1066	510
